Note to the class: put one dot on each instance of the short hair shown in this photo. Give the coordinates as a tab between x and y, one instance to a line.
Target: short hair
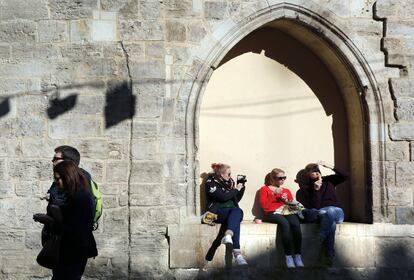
69	153
312	167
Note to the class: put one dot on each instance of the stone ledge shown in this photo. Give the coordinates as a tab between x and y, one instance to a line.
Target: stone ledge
354	243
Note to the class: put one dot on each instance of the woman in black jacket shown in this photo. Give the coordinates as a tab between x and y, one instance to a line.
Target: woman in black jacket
77	243
223	198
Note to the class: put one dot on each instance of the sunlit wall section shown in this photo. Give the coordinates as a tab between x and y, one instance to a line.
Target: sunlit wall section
256	115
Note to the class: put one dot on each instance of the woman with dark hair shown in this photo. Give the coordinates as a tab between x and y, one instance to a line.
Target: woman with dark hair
223	197
276	201
77	241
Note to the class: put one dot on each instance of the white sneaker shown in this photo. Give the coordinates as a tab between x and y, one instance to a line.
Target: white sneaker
226	240
240	260
298	261
289	262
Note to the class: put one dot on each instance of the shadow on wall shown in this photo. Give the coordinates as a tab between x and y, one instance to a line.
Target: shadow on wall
393	262
119	106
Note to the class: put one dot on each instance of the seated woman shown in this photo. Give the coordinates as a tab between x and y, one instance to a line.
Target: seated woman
223	198
275	201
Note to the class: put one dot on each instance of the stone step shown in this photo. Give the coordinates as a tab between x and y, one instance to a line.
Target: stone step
357	246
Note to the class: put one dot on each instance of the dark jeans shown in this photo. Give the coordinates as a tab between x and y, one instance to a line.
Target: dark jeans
290	227
70	271
328	216
232	217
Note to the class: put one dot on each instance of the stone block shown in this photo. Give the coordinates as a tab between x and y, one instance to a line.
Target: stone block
394	252
52	31
5	52
31	10
404	215
172	146
61	128
38	147
196	32
112	188
148	106
397	151
110	202
32	240
117	171
18	31
400	196
95	168
115	220
67	9
31	105
144	129
150	9
155	49
400	28
25	169
353	251
146	30
9	147
175	193
144	149
101	149
80	31
404	109
6	189
175	31
146	172
402	131
144	71
135	50
402	88
147	194
12	240
104	30
22	263
28	189
215	10
386	8
17	213
405	173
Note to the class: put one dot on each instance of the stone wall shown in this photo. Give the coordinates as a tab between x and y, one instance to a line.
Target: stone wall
134	71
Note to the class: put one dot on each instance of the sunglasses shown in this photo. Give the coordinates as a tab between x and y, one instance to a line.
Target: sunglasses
57	158
57	178
281	178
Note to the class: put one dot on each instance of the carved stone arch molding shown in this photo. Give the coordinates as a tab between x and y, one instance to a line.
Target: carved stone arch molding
339	47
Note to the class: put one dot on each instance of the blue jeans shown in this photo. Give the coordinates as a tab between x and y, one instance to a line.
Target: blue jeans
329	216
232	217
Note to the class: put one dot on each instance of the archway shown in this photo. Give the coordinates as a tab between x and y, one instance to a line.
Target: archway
355	80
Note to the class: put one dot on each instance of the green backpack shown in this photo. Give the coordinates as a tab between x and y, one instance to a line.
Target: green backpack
97	195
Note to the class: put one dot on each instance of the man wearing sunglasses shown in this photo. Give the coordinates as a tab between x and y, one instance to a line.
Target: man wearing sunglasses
56	197
319	196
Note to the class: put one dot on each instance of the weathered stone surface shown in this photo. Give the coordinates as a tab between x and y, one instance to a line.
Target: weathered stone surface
196	32
4	52
405	173
402	88
52	31
80	31
34	10
400	196
17	213
150	9
115	220
405	109
155	49
145	129
146	172
66	128
12	240
117	171
215	10
68	9
149	106
144	149
144	71
394	254
397	151
404	215
18	31
26	169
175	31
133	30
402	131
95	168
147	194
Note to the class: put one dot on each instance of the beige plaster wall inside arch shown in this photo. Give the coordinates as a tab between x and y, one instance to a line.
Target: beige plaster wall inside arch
256	115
